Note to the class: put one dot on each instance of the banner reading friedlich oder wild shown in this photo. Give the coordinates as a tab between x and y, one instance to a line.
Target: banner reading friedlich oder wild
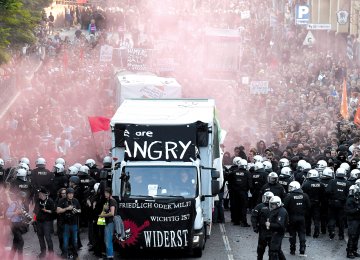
155	224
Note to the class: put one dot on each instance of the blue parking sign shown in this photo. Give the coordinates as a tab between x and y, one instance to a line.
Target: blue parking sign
302	14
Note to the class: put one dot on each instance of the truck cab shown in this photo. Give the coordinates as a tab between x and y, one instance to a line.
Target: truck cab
168	170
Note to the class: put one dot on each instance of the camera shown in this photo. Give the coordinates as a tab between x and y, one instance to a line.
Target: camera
26	215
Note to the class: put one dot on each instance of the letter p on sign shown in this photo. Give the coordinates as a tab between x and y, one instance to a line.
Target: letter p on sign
303	12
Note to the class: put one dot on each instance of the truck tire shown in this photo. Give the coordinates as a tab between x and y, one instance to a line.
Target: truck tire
197	252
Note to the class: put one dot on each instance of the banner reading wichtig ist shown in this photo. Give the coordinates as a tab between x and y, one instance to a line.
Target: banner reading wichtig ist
157	224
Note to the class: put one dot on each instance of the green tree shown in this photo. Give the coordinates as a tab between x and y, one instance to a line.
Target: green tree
18	20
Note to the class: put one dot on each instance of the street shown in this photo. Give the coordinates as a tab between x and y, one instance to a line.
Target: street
227	242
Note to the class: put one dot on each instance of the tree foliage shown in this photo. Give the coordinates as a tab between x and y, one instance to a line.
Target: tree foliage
18	20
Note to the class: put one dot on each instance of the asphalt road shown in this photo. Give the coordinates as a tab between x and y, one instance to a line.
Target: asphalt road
227	242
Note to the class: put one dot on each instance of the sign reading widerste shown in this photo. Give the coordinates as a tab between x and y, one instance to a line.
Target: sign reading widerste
157	224
157	143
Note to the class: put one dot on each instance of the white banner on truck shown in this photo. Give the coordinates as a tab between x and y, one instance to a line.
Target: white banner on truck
259	87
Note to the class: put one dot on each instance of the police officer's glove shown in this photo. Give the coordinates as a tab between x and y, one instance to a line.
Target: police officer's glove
256	230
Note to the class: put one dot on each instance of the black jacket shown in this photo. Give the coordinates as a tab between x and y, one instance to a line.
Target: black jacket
42	177
259	179
259	216
337	191
285	180
276	188
297	203
239	179
278	220
352	209
315	189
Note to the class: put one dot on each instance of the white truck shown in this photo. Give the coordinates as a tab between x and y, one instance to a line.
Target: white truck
168	159
145	85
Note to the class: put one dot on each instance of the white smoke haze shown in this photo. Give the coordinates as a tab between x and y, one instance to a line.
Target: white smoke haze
49	119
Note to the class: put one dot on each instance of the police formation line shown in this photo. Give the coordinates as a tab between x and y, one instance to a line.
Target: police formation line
294	201
77	197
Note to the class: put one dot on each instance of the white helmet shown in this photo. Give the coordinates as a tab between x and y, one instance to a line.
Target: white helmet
237	161
40	161
354	174
340	172
327	173
267	166
2	163
107	160
258	158
77	165
243	164
84	170
286	171
294	185
96	187
300	165
258	166
73	170
275	202
321	165
346	166
272	178
312	174
358	165
352	189
25	160
307	166
90	163
267	196
357	182
250	165
59	168
23	166
21	174
284	162
61	161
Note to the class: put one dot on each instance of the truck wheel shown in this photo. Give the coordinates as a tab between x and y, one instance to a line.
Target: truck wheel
197	252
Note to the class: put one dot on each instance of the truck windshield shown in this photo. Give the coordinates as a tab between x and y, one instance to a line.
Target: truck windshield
161	181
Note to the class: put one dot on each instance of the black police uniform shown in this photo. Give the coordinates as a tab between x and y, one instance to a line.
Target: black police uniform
324	207
19	185
278	223
94	173
259	179
297	203
260	215
315	189
42	177
275	188
352	210
2	176
239	181
106	175
337	192
285	180
60	181
300	176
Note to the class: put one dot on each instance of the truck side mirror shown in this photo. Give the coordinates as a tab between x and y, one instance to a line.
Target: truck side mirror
215	174
215	187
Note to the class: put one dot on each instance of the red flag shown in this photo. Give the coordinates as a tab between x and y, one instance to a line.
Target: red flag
99	123
357	115
344	105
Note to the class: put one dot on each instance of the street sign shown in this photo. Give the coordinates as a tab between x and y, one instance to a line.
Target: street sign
302	14
319	26
309	39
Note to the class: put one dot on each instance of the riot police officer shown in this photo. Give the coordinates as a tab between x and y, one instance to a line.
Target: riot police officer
277	223
239	181
260	215
286	177
94	172
258	181
86	185
296	203
22	184
273	186
60	180
315	189
352	210
337	192
2	172
354	175
301	175
326	176
106	171
40	176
